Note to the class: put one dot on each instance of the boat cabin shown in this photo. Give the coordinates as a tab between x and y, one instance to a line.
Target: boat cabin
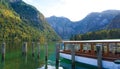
87	48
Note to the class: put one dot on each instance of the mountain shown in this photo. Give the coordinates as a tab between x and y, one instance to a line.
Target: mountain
21	21
115	23
96	21
61	25
92	22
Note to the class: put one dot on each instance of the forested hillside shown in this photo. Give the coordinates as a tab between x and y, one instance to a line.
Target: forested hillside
20	21
103	34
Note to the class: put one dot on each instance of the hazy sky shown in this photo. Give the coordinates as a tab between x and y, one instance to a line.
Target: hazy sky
73	9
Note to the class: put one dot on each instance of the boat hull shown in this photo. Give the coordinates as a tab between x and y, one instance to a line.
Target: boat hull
92	61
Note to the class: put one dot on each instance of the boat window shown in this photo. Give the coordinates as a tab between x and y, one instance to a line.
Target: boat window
86	46
77	47
67	47
112	47
118	47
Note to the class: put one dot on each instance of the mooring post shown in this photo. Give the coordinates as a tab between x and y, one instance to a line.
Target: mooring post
73	56
33	45
24	49
46	55
57	55
38	46
99	55
3	51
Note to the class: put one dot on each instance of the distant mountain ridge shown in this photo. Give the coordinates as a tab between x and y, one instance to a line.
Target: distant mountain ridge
96	21
92	22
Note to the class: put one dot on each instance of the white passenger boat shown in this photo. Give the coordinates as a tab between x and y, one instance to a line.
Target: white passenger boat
85	52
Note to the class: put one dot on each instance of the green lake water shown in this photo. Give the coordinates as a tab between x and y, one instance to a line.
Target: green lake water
15	60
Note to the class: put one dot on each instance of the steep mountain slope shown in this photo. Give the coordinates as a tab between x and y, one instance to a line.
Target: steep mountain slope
92	22
96	21
61	25
115	23
21	21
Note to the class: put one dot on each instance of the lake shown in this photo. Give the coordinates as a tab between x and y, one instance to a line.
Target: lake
15	60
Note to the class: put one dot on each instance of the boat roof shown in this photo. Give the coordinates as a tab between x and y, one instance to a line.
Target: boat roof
94	41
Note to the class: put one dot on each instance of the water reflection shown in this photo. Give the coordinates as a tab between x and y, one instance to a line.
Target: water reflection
15	60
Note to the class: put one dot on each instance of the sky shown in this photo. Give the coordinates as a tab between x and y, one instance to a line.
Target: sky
75	10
